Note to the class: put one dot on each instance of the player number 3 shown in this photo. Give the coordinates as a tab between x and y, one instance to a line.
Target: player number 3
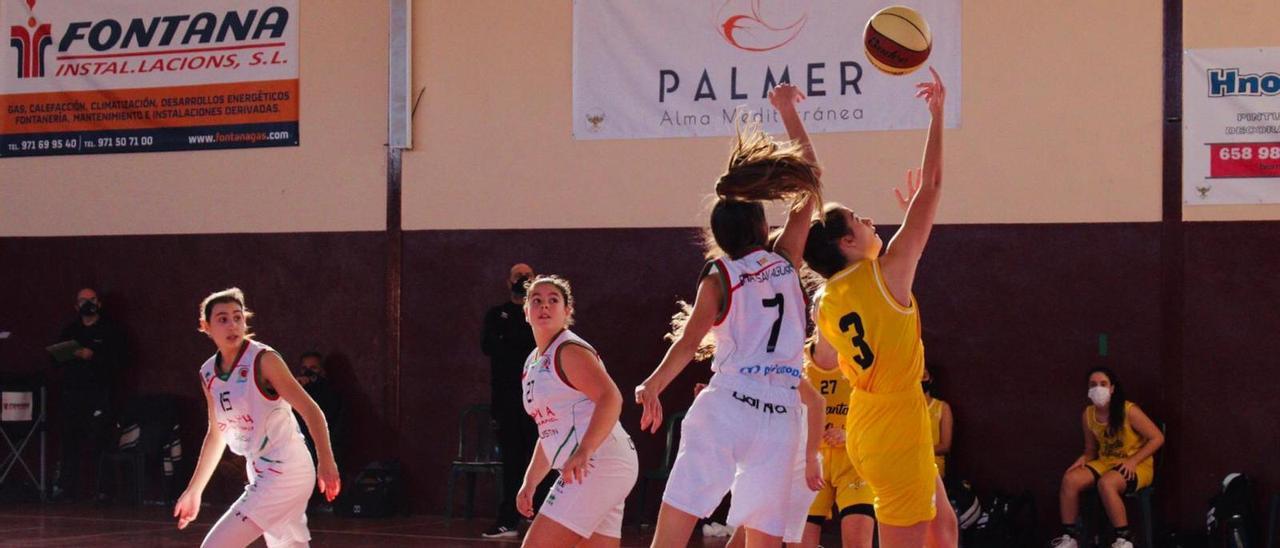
865	356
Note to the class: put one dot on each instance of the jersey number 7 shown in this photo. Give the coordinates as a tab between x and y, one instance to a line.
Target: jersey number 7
865	356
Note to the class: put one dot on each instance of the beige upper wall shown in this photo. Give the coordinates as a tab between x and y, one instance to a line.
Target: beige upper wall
334	181
1230	24
1058	126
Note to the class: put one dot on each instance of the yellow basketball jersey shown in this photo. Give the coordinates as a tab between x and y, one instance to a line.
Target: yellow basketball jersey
833	386
1115	447
877	338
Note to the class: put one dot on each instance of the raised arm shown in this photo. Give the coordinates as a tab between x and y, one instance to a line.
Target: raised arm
906	247
784	99
705	308
584	371
188	506
275	372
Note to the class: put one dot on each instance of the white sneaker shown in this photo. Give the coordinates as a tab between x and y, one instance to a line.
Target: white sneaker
1121	543
1064	541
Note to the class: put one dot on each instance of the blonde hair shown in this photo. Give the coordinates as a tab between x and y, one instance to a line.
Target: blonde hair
761	168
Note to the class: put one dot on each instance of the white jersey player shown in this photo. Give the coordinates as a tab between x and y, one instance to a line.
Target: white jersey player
251	397
569	394
744	429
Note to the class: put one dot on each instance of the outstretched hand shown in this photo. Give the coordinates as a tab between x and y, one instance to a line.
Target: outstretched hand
933	93
785	95
913	186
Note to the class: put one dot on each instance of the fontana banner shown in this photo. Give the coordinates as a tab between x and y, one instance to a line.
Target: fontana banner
140	75
1231	126
687	68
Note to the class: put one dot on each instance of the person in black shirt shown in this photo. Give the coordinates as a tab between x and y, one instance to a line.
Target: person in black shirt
87	381
507	341
315	380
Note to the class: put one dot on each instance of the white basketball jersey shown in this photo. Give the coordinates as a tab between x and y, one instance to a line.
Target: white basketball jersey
761	335
251	422
561	412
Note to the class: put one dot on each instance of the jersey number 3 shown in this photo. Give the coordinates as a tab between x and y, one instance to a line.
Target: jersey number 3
865	356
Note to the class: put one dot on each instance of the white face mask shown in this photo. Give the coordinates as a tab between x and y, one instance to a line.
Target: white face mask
1100	395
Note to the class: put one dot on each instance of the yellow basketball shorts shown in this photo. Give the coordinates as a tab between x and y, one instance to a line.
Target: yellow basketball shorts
891	447
842	486
1146	472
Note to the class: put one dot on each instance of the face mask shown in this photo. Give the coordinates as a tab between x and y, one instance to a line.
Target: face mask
88	309
1100	395
517	287
927	386
311	373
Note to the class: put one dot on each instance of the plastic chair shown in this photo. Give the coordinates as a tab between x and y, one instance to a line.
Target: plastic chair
477	454
664	470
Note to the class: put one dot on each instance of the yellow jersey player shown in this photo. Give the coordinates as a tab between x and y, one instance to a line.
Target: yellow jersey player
867	313
941	423
842	487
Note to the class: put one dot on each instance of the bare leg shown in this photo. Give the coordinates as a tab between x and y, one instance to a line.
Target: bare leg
857	531
1111	490
911	536
233	530
944	530
600	541
546	533
758	539
1073	482
674	527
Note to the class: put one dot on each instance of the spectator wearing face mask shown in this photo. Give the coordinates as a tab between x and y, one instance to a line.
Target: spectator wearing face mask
87	381
940	421
315	380
1119	441
507	341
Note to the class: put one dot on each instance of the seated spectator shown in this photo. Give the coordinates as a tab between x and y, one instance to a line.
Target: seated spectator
315	380
941	421
1119	441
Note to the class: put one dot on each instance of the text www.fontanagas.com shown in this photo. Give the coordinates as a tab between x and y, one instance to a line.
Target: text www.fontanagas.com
250	137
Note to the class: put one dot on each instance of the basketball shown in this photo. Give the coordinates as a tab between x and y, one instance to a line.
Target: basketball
897	40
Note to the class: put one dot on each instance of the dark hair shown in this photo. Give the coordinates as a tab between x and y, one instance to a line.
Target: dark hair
1115	409
822	248
562	286
311	354
229	295
737	227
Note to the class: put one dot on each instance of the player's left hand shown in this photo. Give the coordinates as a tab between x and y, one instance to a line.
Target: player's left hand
576	467
1128	469
813	473
913	186
327	479
833	437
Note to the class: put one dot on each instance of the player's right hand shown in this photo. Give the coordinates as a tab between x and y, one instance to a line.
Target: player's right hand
651	414
1079	463
834	437
524	500
187	508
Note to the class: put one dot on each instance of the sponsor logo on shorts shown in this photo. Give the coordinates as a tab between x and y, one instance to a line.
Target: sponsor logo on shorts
771	369
755	403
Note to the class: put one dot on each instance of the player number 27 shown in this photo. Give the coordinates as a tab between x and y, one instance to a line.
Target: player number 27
865	356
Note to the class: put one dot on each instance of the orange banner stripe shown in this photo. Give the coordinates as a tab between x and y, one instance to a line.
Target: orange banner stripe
223	104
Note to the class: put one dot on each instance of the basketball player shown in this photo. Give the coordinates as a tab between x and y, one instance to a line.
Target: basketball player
867	313
251	396
744	427
569	394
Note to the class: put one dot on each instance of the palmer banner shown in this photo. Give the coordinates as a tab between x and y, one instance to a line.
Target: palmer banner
1231	126
689	68
144	75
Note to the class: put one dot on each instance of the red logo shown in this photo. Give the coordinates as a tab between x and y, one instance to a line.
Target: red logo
751	25
31	44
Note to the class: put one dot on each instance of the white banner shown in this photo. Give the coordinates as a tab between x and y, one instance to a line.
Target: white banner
1231	126
15	406
679	68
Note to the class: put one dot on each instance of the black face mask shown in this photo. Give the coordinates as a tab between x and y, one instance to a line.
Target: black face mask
927	386
311	374
89	309
517	287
